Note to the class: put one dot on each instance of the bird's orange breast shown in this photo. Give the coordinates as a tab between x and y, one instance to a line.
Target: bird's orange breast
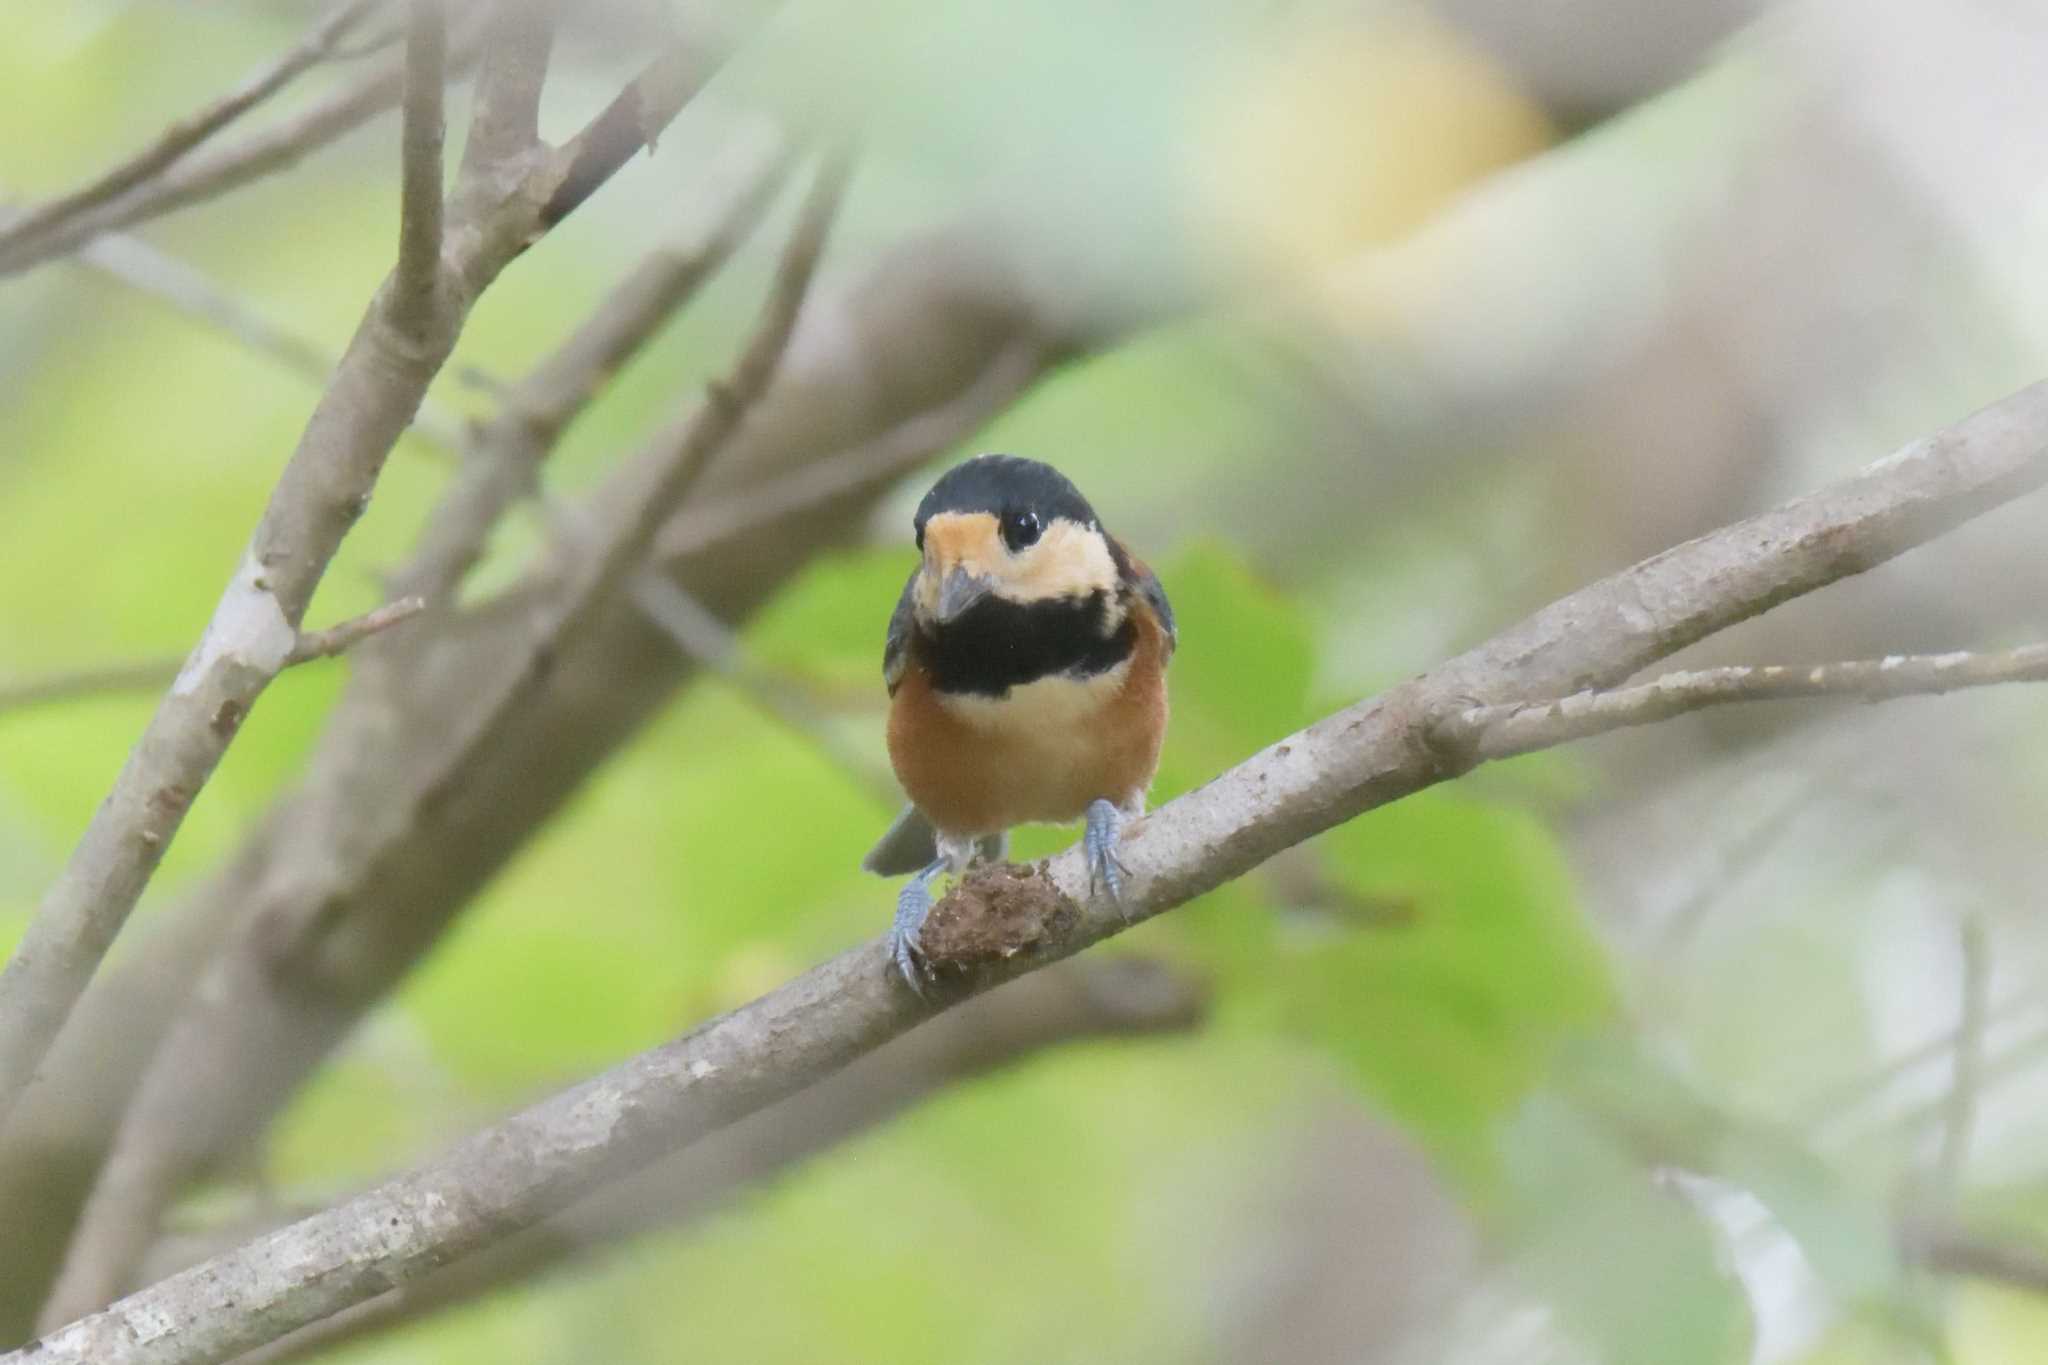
977	765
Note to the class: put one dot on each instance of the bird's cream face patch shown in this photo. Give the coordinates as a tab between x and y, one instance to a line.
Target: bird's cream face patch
1067	560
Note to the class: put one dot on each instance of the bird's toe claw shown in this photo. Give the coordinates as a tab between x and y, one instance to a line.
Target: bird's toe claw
909	958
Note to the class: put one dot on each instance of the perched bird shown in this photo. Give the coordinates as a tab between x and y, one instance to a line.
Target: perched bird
1026	664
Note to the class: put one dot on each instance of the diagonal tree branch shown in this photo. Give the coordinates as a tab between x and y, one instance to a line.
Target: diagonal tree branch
630	122
1111	997
188	132
1004	922
120	1219
323	489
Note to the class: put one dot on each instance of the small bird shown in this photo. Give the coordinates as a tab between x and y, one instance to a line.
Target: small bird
1026	665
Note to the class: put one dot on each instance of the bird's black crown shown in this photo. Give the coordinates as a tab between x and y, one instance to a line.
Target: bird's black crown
1002	485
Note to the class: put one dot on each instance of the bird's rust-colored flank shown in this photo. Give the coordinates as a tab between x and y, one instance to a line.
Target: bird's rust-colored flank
981	768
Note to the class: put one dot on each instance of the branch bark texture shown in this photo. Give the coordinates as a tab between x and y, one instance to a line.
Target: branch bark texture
1002	922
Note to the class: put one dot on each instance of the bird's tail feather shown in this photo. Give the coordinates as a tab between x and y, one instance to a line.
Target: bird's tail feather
909	846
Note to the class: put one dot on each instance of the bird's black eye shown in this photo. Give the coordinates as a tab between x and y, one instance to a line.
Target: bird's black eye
1020	529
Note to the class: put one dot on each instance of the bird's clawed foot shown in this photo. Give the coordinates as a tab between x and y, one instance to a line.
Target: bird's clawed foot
913	903
1105	872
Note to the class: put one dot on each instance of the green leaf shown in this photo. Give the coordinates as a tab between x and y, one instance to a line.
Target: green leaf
1451	1016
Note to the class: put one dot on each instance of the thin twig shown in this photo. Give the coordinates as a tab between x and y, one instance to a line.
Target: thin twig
713	645
536	410
512	1175
872	463
2007	1261
1831	1106
2018	1056
323	644
148	675
161	276
1732	860
1502	731
384	36
1966	1079
188	132
207	174
78	684
415	306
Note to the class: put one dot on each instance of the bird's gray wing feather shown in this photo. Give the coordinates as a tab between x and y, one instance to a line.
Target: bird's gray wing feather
1154	593
896	648
909	845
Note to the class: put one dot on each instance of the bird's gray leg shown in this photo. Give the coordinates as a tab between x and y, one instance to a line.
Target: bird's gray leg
1099	842
913	903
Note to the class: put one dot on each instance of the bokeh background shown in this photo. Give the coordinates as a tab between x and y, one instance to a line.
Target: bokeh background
1384	324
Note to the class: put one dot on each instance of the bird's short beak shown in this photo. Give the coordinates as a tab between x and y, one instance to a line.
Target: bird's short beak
959	590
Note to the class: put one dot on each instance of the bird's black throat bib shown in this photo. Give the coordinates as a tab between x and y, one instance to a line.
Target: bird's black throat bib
1002	644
